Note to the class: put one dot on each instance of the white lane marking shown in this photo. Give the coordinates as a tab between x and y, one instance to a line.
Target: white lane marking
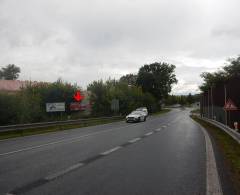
153	118
213	185
69	140
164	126
111	150
63	172
159	129
147	134
134	140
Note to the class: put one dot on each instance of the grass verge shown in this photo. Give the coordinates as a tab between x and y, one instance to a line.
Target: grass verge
228	147
34	131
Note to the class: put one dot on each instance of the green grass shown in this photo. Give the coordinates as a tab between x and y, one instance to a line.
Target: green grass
34	131
228	147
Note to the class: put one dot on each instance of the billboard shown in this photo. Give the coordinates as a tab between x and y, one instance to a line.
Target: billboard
55	107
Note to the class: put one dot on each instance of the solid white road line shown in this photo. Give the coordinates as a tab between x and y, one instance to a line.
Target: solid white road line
63	172
213	185
111	150
134	140
68	140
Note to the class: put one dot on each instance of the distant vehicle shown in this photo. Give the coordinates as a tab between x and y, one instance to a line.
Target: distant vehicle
136	116
143	109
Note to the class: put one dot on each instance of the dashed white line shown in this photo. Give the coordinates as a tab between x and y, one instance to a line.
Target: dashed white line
111	150
164	126
159	129
63	172
147	134
134	140
68	140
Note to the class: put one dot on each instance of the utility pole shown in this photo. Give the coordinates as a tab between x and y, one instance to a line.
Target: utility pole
208	105
212	102
225	100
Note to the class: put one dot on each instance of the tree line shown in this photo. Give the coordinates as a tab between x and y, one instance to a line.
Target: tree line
183	100
29	104
229	70
149	87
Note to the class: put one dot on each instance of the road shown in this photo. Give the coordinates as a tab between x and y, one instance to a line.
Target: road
165	155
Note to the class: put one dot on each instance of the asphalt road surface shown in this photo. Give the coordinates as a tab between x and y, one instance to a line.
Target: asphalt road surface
165	155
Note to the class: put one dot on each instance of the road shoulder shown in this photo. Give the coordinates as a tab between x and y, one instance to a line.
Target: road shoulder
226	169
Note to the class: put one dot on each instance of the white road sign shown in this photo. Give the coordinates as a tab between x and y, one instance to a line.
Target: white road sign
55	107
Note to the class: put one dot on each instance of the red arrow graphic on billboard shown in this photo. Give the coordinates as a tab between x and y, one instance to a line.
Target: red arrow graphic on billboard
77	96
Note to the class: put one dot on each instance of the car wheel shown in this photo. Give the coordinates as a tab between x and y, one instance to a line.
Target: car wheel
145	118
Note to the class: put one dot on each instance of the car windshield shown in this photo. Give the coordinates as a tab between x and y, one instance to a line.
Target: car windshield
136	112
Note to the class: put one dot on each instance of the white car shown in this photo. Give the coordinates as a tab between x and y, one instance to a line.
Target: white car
136	116
143	109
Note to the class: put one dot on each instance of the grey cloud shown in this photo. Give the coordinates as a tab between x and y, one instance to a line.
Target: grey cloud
81	41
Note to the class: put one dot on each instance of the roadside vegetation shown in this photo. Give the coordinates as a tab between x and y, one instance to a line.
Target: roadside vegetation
148	88
228	147
183	100
59	127
211	79
29	104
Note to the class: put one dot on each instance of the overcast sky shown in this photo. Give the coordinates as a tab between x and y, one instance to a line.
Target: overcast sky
85	40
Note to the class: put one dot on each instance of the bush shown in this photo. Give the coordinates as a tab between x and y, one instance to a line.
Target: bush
130	97
9	106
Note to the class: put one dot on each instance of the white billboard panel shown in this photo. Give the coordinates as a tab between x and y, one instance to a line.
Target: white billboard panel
55	107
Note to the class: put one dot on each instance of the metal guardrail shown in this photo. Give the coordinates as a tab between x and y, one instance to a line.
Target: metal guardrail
54	123
233	133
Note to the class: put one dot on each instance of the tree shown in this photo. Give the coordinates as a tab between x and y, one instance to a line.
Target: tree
130	79
157	79
10	72
9	105
190	99
130	97
212	79
233	68
99	98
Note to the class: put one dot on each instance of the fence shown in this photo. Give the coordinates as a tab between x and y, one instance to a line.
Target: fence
222	102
